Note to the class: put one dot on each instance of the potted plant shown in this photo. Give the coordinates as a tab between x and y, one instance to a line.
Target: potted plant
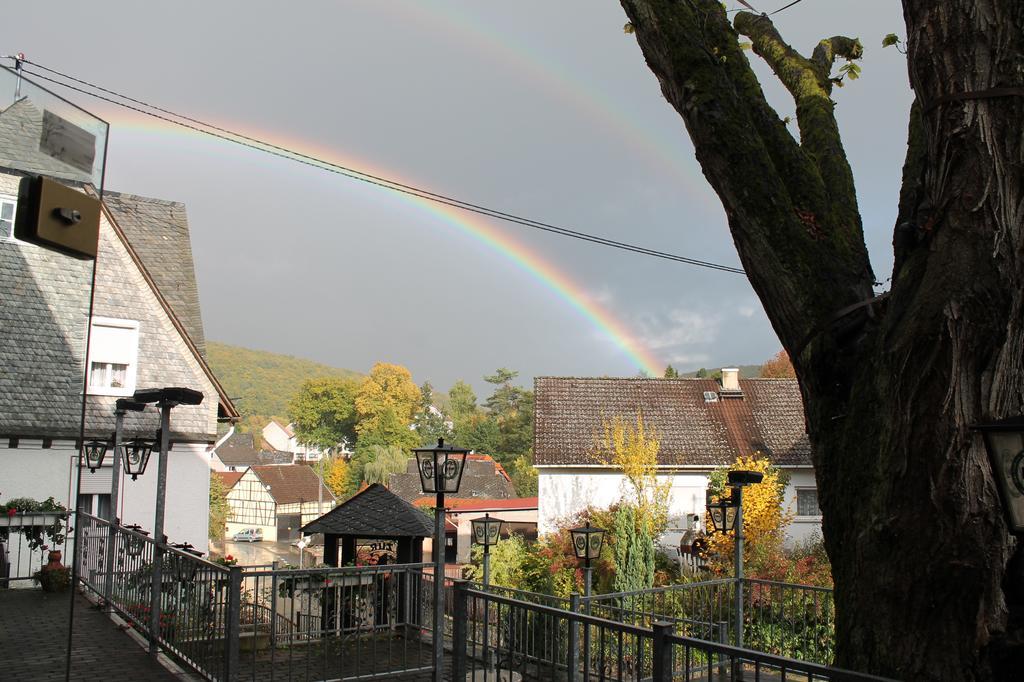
34	519
53	579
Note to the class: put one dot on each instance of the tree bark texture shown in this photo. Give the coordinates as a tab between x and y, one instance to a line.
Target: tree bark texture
928	580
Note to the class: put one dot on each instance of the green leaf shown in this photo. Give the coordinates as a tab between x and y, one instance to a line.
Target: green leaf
745	45
850	70
890	40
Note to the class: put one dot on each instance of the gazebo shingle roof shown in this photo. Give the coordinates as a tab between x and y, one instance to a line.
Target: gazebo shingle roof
768	418
375	512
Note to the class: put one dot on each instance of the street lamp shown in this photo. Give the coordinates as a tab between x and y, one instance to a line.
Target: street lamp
486	532
440	470
136	456
135	544
184	566
166	399
95	451
586	544
727	515
1004	441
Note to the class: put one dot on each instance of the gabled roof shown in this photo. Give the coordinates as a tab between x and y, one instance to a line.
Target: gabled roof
292	483
374	512
238	451
229	478
483	478
768	418
158	232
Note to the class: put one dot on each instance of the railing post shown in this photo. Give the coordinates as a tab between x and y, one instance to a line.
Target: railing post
574	658
459	629
273	603
661	664
232	623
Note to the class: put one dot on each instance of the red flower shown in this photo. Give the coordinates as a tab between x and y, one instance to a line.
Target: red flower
12	512
229	557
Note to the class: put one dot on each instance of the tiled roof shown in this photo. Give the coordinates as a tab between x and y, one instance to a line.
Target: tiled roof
374	512
21	130
229	478
158	232
482	479
463	504
769	419
292	483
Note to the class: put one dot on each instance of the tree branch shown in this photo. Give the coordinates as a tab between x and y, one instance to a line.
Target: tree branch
810	83
798	238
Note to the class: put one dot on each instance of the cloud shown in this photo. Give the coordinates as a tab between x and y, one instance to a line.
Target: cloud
678	328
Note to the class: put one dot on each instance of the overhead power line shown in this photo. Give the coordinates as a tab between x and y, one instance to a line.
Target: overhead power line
234	137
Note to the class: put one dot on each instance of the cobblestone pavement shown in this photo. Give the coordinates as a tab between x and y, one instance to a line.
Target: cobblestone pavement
33	642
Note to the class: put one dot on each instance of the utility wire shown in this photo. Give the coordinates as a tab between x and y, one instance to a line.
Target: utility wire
781	9
241	139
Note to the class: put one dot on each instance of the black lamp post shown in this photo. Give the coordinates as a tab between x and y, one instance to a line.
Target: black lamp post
486	532
1004	441
727	515
586	544
440	470
166	399
94	451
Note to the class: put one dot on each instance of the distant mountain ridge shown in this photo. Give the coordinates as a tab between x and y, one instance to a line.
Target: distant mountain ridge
261	382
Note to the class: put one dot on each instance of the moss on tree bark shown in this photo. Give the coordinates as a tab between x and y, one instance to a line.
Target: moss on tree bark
929	583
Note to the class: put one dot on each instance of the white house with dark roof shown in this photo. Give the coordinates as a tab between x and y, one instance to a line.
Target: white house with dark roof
146	332
701	425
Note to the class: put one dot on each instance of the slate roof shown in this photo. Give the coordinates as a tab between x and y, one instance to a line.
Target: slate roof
483	479
21	128
158	232
238	451
292	483
374	512
769	419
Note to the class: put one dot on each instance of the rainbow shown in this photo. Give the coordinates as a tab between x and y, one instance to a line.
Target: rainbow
668	152
469	224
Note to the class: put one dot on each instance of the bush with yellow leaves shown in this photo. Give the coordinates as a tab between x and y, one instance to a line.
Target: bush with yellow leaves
763	515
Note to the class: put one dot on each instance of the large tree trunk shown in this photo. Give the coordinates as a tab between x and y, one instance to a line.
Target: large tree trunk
928	580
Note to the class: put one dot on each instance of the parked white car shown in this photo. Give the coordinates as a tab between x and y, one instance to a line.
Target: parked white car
249	535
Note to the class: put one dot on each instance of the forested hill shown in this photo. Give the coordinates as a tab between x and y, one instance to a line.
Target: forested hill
261	382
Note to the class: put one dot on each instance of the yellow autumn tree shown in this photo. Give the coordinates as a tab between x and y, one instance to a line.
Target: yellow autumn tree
336	474
634	450
388	392
764	518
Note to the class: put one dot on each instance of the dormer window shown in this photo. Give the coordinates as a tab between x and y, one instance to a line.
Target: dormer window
113	356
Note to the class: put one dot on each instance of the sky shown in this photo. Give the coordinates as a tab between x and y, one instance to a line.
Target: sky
541	109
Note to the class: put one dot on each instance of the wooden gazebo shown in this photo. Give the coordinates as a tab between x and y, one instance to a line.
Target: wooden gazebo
374	513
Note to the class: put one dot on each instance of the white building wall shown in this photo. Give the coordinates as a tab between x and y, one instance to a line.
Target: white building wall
803	528
562	492
30	470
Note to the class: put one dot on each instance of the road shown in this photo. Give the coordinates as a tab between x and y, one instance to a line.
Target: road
265	552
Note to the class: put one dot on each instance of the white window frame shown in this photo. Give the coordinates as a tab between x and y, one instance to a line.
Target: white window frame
131	360
796	502
7	198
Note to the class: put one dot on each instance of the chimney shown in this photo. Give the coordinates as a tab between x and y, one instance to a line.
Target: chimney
731	383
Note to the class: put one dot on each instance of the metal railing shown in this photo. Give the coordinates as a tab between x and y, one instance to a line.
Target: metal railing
195	621
497	637
230	623
21	557
334	623
796	621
